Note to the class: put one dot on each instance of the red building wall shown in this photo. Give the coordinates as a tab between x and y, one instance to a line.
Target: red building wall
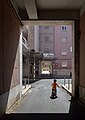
9	47
59	46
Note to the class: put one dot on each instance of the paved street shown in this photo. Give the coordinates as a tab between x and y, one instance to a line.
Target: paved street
38	99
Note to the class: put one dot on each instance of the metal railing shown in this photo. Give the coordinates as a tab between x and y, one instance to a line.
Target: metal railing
68	84
25	81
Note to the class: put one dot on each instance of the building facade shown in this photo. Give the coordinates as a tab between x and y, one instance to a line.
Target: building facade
63	49
46	45
56	44
35	54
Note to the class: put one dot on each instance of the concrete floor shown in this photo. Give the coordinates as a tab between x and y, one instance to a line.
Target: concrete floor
37	99
37	105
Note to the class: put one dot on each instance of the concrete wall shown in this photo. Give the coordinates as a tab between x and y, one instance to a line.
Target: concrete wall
9	56
36	38
31	37
82	58
58	14
1	47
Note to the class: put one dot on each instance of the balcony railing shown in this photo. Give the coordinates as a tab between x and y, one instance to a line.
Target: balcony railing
68	84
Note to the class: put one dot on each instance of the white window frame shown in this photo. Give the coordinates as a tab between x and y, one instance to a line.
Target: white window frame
46	39
64	63
46	50
46	27
64	52
64	40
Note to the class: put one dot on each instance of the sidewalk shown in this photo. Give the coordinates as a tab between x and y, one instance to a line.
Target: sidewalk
25	89
24	92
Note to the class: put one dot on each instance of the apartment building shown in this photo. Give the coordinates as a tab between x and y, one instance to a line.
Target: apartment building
46	45
63	49
56	44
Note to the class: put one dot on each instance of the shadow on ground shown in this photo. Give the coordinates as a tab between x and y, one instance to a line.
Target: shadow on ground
76	111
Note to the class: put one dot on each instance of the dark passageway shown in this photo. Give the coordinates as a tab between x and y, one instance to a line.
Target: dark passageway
76	112
14	14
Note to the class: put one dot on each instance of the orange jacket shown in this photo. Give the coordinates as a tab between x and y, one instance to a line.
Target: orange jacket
54	85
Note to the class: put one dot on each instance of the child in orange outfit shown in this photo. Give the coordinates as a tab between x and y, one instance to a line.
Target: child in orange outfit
54	86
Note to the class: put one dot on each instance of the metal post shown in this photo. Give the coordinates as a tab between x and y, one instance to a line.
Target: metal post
25	82
34	66
28	81
68	84
64	81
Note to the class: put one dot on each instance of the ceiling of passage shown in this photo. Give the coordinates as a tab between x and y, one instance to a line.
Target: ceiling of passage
29	9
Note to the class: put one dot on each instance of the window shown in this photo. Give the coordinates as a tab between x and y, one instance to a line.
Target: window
51	50
64	40
64	63
46	27
64	52
46	50
64	28
46	39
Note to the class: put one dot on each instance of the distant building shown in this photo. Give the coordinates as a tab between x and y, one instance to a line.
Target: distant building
63	49
56	44
46	45
35	55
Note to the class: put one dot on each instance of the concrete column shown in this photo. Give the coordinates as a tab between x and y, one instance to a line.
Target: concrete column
82	10
82	56
36	38
73	61
20	46
39	67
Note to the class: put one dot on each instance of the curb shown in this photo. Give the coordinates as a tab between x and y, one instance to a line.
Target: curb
26	89
63	86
